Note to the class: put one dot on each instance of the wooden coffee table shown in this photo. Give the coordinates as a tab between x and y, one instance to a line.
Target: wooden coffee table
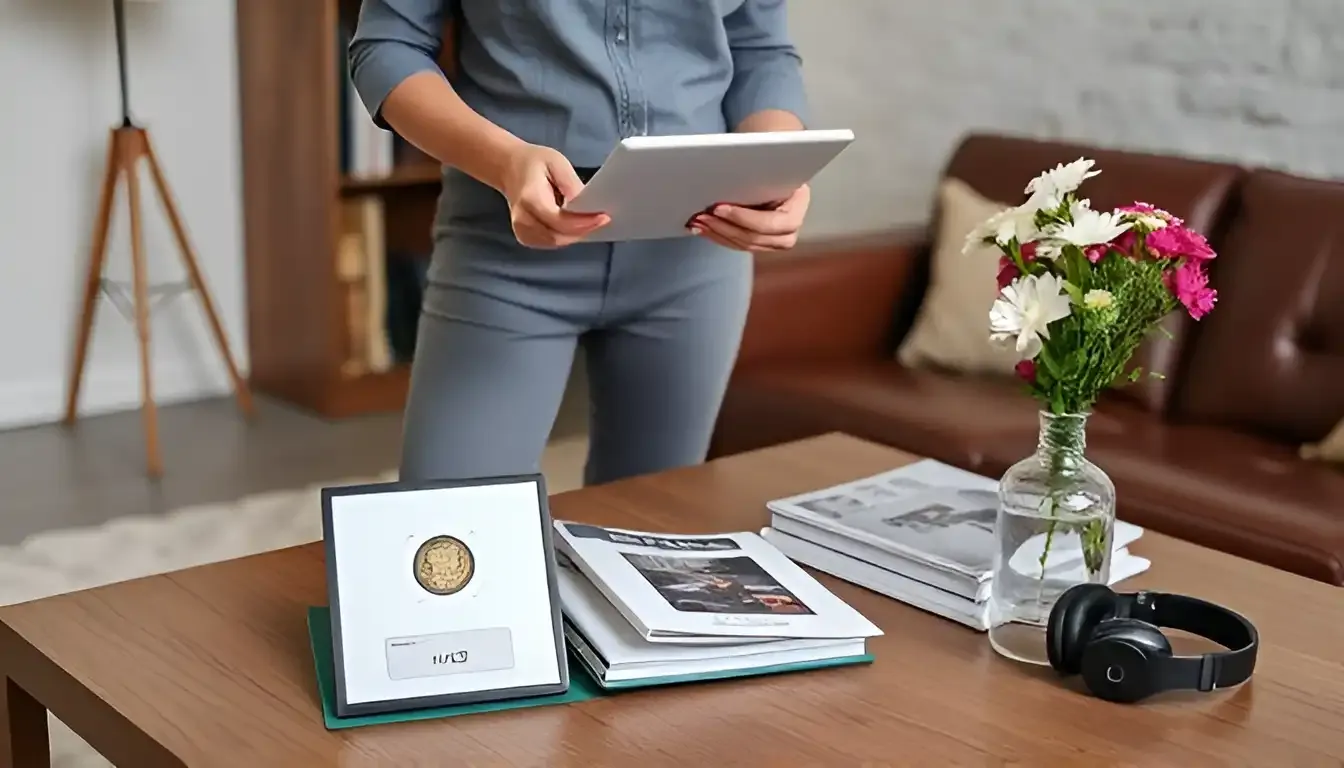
211	667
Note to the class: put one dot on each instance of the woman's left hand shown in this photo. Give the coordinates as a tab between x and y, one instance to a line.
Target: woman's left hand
755	229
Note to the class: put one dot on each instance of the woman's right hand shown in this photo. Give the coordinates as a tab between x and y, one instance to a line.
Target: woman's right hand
537	180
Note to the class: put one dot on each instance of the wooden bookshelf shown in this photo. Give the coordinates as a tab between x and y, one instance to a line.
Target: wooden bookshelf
417	175
297	202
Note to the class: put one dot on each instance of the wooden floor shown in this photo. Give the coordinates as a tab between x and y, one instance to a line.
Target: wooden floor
54	477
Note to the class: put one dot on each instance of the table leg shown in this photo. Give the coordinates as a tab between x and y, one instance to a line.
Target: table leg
24	742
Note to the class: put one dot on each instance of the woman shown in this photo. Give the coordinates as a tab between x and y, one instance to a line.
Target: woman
543	91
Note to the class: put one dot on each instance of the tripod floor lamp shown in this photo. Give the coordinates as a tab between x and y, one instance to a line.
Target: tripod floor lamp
128	146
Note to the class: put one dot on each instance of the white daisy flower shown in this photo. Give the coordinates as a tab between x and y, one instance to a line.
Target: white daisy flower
1002	227
1090	227
1022	313
1054	184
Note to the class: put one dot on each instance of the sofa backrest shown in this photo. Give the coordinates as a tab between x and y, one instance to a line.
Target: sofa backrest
1269	358
999	167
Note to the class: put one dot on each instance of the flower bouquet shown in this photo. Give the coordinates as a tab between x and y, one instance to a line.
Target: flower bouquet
1080	290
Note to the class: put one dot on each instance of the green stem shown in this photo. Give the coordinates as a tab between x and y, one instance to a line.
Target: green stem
1061	451
1054	482
1062	442
1015	253
1093	535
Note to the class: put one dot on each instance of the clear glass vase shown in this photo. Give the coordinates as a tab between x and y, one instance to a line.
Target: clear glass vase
1054	529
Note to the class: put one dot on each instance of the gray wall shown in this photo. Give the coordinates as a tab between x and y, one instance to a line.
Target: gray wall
1257	81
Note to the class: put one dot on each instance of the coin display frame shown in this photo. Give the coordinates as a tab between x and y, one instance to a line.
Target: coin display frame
394	629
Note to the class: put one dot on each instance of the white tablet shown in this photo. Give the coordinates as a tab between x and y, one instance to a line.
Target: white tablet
651	186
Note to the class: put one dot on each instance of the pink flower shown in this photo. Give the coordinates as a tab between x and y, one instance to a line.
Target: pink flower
1095	253
1008	271
1144	209
1125	242
1026	370
1190	284
1177	242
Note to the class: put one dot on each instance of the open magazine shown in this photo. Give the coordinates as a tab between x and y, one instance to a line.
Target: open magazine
707	589
927	512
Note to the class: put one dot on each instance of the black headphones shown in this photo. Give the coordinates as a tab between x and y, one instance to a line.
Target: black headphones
1113	640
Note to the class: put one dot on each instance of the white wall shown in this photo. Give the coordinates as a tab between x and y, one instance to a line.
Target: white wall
1258	81
59	96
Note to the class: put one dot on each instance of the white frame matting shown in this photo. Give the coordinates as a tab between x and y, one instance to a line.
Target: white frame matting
396	644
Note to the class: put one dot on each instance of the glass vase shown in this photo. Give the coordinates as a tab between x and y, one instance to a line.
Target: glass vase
1055	525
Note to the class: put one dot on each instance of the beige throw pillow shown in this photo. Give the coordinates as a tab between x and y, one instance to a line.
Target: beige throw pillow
951	330
1330	449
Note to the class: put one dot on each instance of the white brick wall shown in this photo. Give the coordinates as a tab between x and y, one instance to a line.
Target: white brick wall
1253	81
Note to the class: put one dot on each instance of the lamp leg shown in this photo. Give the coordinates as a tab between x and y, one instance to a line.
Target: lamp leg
94	279
240	388
140	282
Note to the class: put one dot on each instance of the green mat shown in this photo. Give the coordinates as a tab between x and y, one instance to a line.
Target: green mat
582	687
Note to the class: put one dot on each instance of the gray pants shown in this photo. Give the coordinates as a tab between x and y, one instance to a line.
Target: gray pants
660	322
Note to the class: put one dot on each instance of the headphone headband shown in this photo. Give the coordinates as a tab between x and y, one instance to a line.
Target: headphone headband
1209	671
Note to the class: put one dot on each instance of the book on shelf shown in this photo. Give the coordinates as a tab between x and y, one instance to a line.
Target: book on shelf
616	654
350	270
383	290
366	151
923	534
361	264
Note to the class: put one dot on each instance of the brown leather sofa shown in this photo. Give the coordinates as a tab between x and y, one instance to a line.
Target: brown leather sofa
1208	454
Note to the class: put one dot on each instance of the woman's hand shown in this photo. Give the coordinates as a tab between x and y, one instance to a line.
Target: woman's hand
536	182
753	229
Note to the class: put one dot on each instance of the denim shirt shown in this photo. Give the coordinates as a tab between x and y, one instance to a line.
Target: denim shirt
580	75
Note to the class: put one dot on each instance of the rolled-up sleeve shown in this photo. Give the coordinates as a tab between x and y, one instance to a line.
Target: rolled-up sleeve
393	40
767	70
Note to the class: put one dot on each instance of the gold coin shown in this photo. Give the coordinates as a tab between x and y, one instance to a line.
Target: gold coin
444	565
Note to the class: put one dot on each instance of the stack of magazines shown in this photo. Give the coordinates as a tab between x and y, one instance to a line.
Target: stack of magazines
922	534
644	608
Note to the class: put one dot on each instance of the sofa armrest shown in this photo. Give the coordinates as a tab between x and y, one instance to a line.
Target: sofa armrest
831	300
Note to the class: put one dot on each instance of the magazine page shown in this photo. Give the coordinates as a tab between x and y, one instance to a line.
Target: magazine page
973	613
942	578
732	585
894	585
1026	560
620	644
929	511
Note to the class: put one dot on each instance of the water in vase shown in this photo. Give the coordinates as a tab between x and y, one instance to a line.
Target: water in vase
1054	530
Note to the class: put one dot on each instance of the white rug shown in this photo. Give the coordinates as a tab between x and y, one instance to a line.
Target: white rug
64	561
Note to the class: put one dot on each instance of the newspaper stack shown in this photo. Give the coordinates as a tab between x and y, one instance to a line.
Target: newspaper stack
642	608
922	534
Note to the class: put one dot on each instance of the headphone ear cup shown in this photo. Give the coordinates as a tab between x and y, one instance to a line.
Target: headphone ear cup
1075	614
1118	661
